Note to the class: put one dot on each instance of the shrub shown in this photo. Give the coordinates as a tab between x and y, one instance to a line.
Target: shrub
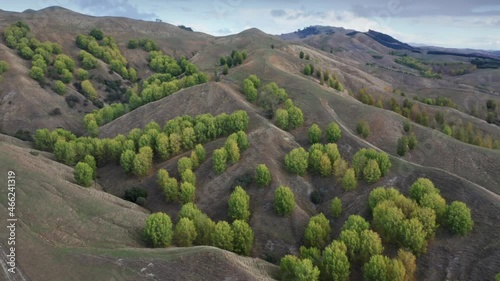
293	268
314	134
295	117
188	176
333	132
233	151
143	161
349	181
371	172
421	187
185	233
243	237
284	201
317	233
187	192
336	207
184	164
82	74
83	174
219	160
97	34
59	87
282	119
133	193
403	146
262	175
363	129
296	161
335	263
239	204
458	218
158	229
223	237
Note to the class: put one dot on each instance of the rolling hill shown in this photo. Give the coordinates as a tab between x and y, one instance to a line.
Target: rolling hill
93	234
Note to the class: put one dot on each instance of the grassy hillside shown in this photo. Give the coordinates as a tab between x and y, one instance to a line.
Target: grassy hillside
93	231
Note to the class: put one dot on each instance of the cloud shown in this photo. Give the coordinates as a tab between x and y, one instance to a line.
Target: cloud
120	8
223	31
278	13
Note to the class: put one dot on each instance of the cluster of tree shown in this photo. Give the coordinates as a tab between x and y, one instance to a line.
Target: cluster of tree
357	244
363	129
424	69
250	87
471	135
230	152
370	165
178	135
289	118
196	228
236	58
330	80
440	101
106	49
85	171
411	222
4	66
368	99
153	89
147	45
333	133
491	107
87	60
302	55
406	143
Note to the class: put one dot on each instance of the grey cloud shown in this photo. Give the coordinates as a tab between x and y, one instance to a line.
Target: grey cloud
224	31
278	13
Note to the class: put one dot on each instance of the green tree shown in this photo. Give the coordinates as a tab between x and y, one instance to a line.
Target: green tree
435	202
239	204
293	268
83	174
295	117
314	134
97	34
403	146
335	263
183	164
387	220
312	253
143	161
325	168
356	223
225	70
233	151
377	269
332	151
219	160
333	132
458	218
340	167
370	244
307	70
380	194
262	175
158	230
371	172
336	207
37	73
282	119
296	161
162	146
284	201
187	192
189	176
421	187
89	90
412	141
413	236
249	90
242	139
127	160
349	181
301	55
59	87
90	160
243	237
317	233
223	237
184	233
409	263
363	129
201	154
222	61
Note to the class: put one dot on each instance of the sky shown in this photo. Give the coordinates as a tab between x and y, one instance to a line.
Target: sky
445	23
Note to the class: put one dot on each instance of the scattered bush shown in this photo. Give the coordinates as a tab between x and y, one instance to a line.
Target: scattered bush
284	201
363	129
262	175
